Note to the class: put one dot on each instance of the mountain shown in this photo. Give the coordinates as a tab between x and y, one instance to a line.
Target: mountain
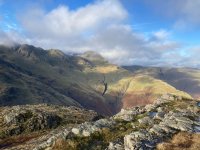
32	75
184	79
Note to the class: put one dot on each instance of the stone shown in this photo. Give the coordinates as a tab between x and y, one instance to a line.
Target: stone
184	119
85	129
150	107
197	129
198	104
152	114
115	146
159	116
103	123
146	121
128	115
156	129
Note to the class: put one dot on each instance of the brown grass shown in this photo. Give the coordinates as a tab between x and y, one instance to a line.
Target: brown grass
133	99
60	144
106	69
181	141
19	139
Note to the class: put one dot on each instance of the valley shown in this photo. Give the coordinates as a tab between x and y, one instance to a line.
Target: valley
31	75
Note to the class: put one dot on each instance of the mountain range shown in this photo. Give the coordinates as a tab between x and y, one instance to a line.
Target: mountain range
32	75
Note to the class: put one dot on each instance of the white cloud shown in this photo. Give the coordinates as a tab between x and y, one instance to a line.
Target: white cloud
161	35
10	38
63	22
100	27
123	46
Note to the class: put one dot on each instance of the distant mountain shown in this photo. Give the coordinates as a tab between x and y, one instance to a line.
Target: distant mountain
32	75
94	57
184	79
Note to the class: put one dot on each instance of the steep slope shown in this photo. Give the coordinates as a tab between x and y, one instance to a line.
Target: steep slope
143	89
184	79
127	89
31	75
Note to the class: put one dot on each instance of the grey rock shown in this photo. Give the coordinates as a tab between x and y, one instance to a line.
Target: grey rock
103	123
160	115
85	129
128	115
115	146
146	121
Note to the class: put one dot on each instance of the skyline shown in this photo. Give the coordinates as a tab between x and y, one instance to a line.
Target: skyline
149	33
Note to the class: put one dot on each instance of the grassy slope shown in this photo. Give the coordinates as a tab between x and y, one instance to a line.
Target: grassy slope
184	79
143	89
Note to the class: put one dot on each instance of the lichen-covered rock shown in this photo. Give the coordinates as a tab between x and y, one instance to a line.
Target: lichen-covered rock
104	123
115	146
170	122
85	129
39	126
146	121
129	114
19	121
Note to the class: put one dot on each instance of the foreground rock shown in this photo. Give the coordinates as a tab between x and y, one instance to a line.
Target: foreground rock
17	122
171	115
138	128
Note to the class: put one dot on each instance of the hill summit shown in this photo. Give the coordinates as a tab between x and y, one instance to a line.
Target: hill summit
93	56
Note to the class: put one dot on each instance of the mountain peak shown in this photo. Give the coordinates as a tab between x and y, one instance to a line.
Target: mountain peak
30	51
56	53
93	56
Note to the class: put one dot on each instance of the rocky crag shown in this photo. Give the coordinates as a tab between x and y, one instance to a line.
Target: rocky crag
137	128
24	123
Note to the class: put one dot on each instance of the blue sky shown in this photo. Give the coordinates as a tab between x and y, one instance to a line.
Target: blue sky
126	32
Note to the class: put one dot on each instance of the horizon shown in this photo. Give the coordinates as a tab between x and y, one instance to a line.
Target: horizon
124	32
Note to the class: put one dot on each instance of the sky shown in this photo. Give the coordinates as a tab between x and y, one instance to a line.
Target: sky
126	32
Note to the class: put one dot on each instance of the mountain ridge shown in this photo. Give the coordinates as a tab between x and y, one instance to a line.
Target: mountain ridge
185	79
31	75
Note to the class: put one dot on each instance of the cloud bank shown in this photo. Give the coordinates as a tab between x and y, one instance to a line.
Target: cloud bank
102	27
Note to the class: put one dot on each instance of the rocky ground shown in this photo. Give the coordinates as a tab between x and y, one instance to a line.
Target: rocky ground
22	127
144	127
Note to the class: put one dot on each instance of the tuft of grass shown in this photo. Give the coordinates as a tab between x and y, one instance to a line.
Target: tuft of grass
19	139
180	141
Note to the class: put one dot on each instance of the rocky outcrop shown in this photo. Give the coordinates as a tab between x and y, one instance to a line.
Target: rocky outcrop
39	119
86	129
149	125
137	128
167	122
128	114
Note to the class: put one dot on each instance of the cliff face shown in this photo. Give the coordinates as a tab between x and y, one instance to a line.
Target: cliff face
144	127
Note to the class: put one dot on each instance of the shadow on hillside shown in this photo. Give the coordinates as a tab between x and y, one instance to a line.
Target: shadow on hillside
181	80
